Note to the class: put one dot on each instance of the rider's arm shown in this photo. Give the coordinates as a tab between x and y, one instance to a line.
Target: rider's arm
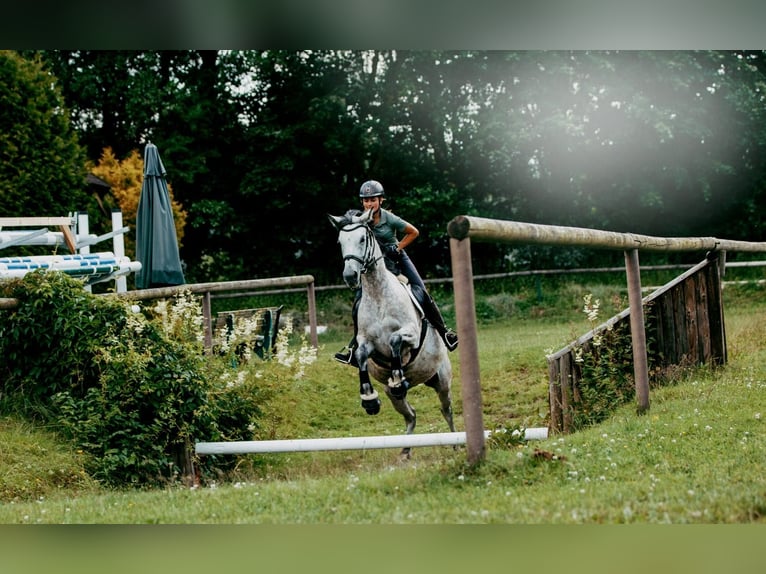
410	234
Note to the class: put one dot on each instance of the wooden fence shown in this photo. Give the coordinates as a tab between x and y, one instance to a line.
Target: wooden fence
464	228
684	321
206	289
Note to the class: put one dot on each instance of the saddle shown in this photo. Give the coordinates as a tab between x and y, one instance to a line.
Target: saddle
406	284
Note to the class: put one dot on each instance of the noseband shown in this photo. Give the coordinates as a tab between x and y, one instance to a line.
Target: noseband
368	260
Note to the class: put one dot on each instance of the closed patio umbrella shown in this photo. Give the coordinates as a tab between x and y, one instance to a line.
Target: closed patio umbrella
156	241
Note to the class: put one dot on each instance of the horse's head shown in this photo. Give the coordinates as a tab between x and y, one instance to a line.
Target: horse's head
357	243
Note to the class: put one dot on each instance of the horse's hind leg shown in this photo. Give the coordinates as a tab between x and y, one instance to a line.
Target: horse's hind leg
405	409
445	398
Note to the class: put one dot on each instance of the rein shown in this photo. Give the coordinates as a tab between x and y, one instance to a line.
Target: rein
368	260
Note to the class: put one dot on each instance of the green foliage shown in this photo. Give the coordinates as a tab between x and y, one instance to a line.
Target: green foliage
506	437
606	376
132	391
116	385
42	171
257	143
604	366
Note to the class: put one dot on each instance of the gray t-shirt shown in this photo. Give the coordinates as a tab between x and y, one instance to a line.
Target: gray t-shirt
390	225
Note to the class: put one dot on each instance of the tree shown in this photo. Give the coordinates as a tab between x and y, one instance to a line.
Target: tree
663	143
176	100
42	171
261	144
114	96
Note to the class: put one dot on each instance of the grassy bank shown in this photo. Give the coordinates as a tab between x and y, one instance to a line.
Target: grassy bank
696	457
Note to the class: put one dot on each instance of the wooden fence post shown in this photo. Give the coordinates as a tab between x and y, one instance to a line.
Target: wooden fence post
637	331
468	349
312	309
207	317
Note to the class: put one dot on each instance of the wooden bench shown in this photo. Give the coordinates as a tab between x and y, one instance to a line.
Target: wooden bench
267	327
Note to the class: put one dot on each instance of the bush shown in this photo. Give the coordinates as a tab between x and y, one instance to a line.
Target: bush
132	390
124	392
605	367
606	376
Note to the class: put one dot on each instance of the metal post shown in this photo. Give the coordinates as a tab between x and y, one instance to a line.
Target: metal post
312	315
468	349
118	243
83	229
637	330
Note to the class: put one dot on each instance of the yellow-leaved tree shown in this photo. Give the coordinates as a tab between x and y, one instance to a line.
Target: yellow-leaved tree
125	178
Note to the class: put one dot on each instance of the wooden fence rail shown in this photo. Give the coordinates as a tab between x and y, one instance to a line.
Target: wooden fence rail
464	228
219	287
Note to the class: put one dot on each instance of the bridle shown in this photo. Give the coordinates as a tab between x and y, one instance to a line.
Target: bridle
368	260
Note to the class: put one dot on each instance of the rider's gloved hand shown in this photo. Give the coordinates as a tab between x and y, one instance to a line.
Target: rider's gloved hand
392	252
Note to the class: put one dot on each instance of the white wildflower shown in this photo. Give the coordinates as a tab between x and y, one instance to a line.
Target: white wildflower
591	307
300	359
183	318
282	353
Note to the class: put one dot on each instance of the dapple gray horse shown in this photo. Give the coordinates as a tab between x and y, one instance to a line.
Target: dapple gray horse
396	345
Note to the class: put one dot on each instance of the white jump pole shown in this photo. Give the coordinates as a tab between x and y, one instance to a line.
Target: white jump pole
83	228
347	443
118	242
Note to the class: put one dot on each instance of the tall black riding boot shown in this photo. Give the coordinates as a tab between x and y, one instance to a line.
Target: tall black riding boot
346	355
434	316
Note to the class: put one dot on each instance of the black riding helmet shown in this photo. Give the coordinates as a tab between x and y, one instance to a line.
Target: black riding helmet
371	188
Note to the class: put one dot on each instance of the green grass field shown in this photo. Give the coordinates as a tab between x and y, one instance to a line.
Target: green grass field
696	457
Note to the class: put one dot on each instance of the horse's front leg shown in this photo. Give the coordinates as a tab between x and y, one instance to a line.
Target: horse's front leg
368	394
397	382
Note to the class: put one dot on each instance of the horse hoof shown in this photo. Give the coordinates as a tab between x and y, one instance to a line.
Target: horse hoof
371	407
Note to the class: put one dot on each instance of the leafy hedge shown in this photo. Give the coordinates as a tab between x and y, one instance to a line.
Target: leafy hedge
116	382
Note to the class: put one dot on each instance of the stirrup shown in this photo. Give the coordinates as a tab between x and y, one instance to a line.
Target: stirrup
347	358
450	340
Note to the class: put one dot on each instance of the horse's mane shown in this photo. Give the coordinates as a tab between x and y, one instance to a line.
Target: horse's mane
349	216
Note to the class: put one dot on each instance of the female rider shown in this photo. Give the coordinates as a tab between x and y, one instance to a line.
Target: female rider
386	226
